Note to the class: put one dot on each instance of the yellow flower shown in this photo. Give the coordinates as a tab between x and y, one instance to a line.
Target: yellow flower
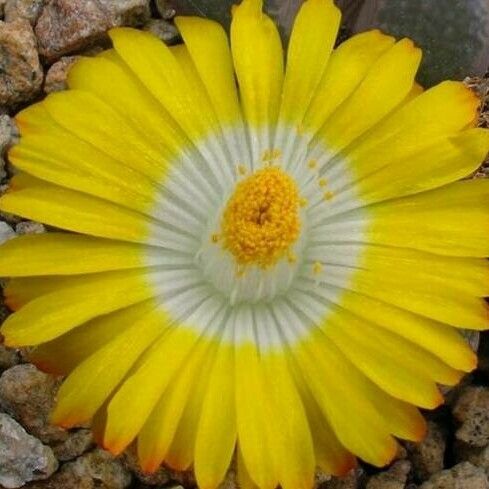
277	269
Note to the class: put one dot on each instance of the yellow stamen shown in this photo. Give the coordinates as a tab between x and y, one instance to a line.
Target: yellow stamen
312	164
303	202
317	268
328	195
215	238
322	182
261	219
241	169
270	155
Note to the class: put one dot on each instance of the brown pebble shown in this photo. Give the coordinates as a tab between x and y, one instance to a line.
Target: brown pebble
394	478
428	455
462	476
70	26
471	410
28	395
20	74
56	75
23	9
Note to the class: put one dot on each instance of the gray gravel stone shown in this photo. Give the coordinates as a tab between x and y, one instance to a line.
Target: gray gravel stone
8	136
77	443
127	12
20	71
162	29
462	476
6	232
394	478
103	468
166	11
29	227
23	9
428	455
23	458
471	410
28	394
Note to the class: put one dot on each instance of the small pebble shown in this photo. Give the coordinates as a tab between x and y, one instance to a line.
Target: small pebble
427	456
28	394
23	9
67	26
102	468
78	442
56	75
6	232
8	136
133	13
29	227
70	26
471	410
166	11
162	29
20	74
462	476
23	458
394	478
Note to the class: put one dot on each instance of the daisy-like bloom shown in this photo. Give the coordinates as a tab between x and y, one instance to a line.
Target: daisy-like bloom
269	258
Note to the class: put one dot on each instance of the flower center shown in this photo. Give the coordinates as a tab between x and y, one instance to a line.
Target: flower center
261	218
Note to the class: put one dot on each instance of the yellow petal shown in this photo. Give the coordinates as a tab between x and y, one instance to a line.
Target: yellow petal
153	63
57	312
347	67
406	171
181	452
62	355
402	376
293	445
311	42
158	432
208	46
255	431
216	432
387	83
331	456
438	338
344	397
450	220
74	211
439	112
69	110
111	81
66	254
138	395
91	383
258	61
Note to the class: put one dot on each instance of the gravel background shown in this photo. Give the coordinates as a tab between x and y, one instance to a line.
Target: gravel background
39	40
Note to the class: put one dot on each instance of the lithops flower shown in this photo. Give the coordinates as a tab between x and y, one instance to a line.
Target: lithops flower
275	267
